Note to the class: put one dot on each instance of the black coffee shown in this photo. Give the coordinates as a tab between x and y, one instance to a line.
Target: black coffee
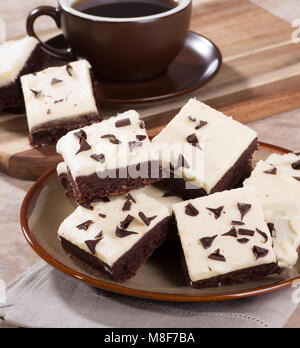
123	9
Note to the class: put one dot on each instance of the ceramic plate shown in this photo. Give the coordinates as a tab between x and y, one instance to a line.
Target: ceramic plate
196	64
161	278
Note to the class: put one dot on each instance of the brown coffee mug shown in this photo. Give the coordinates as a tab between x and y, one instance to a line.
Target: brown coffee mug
119	49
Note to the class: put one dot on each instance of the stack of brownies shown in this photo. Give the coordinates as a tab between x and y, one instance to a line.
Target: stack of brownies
193	180
130	190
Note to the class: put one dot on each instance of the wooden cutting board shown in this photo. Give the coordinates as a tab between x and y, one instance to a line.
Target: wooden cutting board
260	77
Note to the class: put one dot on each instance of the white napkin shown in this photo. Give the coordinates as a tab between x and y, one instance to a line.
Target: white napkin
44	297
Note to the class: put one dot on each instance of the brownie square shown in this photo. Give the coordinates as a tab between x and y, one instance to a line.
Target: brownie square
109	158
58	100
277	182
18	58
225	239
204	151
118	235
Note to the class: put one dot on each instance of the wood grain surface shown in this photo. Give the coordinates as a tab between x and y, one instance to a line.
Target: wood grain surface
260	76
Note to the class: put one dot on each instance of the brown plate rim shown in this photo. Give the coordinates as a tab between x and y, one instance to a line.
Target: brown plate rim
121	289
170	95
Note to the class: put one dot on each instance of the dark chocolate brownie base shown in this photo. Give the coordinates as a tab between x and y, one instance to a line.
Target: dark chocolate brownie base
91	188
11	96
234	178
50	132
128	265
66	185
241	276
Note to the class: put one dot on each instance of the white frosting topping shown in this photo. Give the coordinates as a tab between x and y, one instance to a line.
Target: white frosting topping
280	199
161	196
116	155
59	93
222	139
13	57
238	256
62	168
112	247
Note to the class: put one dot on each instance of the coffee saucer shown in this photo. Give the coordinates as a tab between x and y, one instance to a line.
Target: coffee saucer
196	64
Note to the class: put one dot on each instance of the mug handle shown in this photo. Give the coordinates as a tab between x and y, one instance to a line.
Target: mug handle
54	13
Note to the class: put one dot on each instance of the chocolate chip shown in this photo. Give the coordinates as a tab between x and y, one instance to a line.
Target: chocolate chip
142	125
125	224
231	233
243	240
245	232
272	171
102	215
296	178
237	223
91	244
55	81
123	123
201	124
244	209
169	194
85	226
130	197
37	94
217	212
192	119
263	234
134	144
296	153
58	101
259	252
87	206
100	235
126	206
193	140
80	134
84	146
141	137
296	165
182	163
111	138
147	221
99	158
120	233
69	69
191	210
207	241
217	256
272	229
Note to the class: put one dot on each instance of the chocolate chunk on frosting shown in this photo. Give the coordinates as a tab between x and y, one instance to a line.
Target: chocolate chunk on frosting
244	209
128	220
92	244
141	137
112	138
216	256
121	233
237	223
201	125
102	215
182	163
207	241
84	146
147	220
85	225
296	165
296	178
243	240
134	144
123	123
259	252
231	233
99	158
191	210
130	197
127	205
192	119
263	234
217	212
80	134
193	140
87	206
272	171
55	81
69	69
36	94
245	232
272	229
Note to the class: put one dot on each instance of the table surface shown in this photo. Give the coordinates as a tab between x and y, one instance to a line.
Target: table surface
282	129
